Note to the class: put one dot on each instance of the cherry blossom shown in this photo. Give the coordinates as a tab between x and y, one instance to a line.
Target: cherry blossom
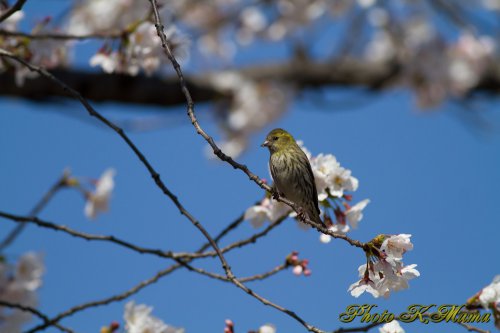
138	319
355	213
392	327
268	210
491	293
10	24
98	201
387	273
18	285
267	328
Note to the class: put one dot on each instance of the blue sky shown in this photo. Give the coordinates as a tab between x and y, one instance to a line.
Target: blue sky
426	174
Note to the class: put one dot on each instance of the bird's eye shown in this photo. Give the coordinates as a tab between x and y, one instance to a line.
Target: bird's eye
275	138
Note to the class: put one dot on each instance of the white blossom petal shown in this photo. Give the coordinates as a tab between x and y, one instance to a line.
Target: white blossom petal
98	201
392	327
355	214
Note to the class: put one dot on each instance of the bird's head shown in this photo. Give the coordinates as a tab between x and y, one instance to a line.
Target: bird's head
278	139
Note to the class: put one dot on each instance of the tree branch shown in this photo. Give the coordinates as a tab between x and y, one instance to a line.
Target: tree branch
102	87
37	313
105	301
224	278
24	220
63	36
164	91
90	237
135	289
156	176
190	110
35	211
15	7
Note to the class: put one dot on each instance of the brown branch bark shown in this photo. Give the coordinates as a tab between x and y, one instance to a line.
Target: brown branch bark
102	87
35	211
133	290
15	7
190	111
24	220
63	36
35	312
156	177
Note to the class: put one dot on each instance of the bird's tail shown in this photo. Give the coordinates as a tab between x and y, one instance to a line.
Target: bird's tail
314	215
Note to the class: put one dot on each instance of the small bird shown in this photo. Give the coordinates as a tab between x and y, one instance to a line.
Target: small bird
292	173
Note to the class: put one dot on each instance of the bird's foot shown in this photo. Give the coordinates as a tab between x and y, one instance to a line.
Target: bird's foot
301	215
276	194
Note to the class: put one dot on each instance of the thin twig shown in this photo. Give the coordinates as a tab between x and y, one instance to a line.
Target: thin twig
365	328
36	312
35	211
471	328
233	225
24	220
92	112
156	176
255	277
237	244
62	36
104	301
135	289
90	237
15	7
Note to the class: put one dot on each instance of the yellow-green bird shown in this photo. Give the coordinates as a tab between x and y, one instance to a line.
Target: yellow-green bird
292	173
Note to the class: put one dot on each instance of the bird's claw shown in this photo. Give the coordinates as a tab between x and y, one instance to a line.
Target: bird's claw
301	215
275	194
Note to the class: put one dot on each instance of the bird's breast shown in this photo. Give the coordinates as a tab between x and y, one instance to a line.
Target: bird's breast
284	175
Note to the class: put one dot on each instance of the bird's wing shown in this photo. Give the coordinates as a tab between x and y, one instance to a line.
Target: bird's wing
311	177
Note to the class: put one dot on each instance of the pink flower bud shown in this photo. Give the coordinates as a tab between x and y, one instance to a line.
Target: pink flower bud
114	326
348	197
229	323
307	272
328	220
340	216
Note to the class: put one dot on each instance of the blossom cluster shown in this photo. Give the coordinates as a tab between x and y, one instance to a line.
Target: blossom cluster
139	47
333	182
133	44
47	53
489	299
18	285
300	266
141	51
385	271
435	67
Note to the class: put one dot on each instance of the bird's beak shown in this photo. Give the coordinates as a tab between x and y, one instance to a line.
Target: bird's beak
265	144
